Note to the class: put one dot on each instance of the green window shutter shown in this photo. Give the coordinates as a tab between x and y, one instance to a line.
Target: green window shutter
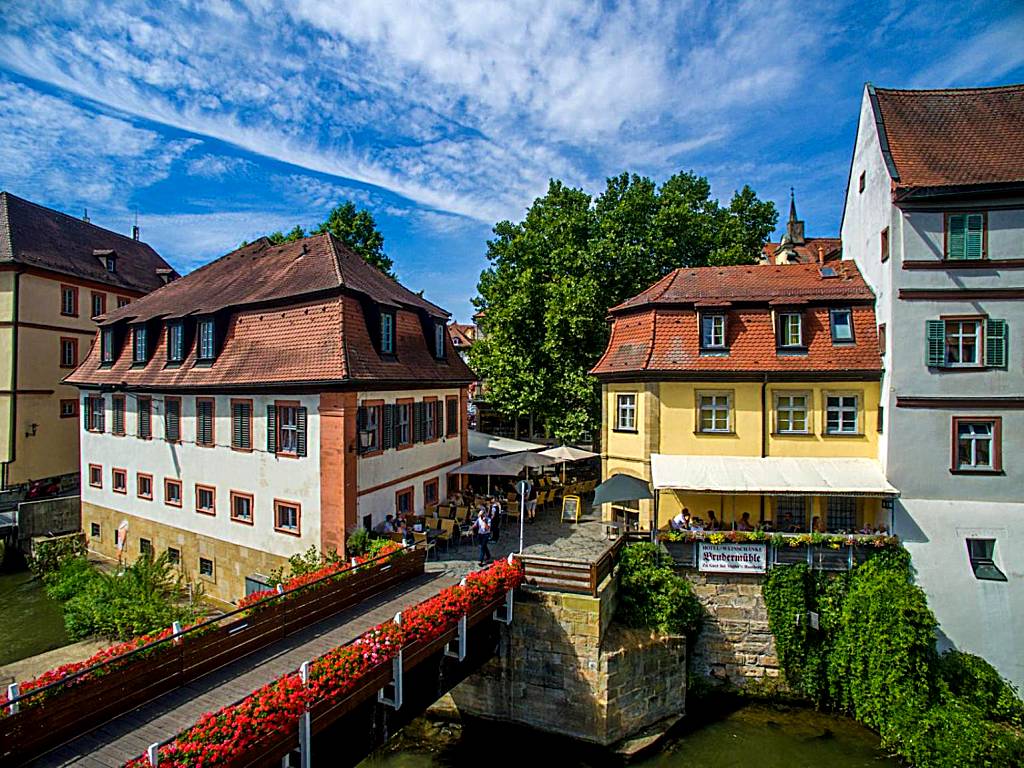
145	425
86	411
300	432
271	429
956	236
389	426
360	428
975	236
936	344
995	343
417	422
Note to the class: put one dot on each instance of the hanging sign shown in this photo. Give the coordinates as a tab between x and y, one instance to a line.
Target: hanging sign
732	558
571	509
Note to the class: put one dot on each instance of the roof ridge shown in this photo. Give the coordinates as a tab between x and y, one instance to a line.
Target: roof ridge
337	257
77	219
975	89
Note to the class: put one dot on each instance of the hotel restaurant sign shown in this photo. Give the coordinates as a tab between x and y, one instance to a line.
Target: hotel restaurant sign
732	558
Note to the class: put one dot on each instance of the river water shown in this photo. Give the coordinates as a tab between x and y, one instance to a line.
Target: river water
30	622
752	735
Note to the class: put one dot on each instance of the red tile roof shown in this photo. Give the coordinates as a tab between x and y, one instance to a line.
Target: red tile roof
40	237
657	331
807	253
463	334
954	137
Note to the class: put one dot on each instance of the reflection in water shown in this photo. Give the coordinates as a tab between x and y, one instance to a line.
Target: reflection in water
767	737
31	622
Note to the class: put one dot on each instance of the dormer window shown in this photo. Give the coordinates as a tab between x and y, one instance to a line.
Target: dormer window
206	340
139	344
175	342
111	264
790	329
387	333
107	345
842	325
439	341
712	331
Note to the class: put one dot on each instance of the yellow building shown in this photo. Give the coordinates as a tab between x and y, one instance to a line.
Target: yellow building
57	273
749	390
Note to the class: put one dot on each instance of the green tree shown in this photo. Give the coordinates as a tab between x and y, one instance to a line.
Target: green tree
553	276
355	227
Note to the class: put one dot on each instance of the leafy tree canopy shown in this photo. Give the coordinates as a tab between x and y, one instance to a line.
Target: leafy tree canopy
554	275
355	227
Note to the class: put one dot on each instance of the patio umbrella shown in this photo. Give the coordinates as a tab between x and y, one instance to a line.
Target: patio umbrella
520	460
622	488
488	466
566	453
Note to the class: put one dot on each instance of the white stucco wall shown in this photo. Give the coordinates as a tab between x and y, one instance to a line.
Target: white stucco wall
264	475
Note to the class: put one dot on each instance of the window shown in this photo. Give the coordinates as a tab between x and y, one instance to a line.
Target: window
95	476
173	556
172	419
139	353
963	339
204	421
69	301
241	507
107	345
977	444
287	516
625	410
145	422
966	342
885	244
144	486
791	414
842	514
452	424
94	530
206	499
122	301
965	236
429	420
94	413
175	342
841	415
119	478
982	556
206	567
111	264
714	412
68	352
146	548
206	340
881	339
712	331
241	425
841	321
860	181
791	514
99	304
172	492
286	429
403	430
439	341
430	492
68	408
790	331
369	427
404	500
117	415
387	333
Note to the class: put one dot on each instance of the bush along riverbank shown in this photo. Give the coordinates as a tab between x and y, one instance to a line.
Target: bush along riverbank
873	657
653	596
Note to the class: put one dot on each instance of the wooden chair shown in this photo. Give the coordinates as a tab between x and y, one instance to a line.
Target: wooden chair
449	533
421	538
462	514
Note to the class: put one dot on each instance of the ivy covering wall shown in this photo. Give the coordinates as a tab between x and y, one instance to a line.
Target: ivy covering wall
873	656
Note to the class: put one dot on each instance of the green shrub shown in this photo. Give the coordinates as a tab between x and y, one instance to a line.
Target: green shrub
357	542
48	554
71	578
652	596
972	678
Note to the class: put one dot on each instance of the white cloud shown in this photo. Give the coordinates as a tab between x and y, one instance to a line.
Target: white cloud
217	166
979	60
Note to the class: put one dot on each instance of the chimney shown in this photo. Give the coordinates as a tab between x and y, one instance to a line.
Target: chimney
85	216
135	232
821	253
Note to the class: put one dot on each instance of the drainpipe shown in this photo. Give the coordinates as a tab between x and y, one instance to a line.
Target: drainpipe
764	428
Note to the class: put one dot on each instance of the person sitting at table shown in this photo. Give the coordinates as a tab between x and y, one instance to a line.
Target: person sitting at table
767	525
744	523
712	523
817	525
681	522
407	538
388	525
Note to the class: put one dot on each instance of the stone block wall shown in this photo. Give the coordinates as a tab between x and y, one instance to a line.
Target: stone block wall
735	645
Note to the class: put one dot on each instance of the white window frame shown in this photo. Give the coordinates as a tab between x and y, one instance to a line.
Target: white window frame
139	342
404	424
175	342
790	409
439	340
975	438
959	335
712	330
387	333
107	345
68	300
206	339
784	321
625	412
841	409
288	429
849	324
715	407
429	420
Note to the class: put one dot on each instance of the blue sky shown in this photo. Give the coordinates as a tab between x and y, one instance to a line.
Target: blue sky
220	121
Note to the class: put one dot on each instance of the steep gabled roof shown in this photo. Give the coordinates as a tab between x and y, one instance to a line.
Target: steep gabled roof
262	272
953	137
40	237
807	252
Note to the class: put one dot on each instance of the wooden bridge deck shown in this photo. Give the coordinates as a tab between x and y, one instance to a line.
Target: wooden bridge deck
128	736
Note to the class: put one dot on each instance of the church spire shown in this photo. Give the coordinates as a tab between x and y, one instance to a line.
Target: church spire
792	206
794	227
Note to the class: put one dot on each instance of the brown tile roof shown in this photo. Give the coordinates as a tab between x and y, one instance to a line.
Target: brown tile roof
261	272
658	329
754	283
463	334
954	137
41	237
807	253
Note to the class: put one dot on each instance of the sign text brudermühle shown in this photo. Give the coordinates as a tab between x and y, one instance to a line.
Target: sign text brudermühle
732	558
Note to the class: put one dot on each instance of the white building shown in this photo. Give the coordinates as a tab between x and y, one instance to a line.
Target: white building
934	217
273	400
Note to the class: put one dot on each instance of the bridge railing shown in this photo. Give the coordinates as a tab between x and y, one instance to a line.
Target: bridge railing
41	718
582	577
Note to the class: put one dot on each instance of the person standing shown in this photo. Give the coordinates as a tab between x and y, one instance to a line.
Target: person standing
495	520
531	504
482	531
